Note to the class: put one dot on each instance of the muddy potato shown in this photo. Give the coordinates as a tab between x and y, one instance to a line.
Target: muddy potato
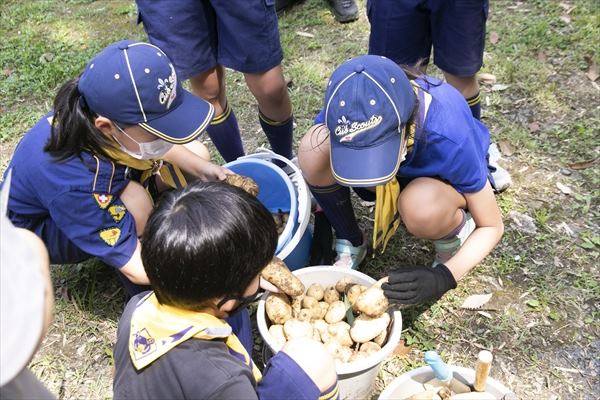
276	332
337	351
322	326
296	306
278	308
380	339
294	329
305	315
366	328
330	295
279	275
352	292
369	347
340	332
324	307
315	291
372	301
336	312
340	285
358	355
309	302
243	182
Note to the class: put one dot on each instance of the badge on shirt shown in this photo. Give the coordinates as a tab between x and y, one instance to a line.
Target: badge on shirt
117	212
102	199
110	235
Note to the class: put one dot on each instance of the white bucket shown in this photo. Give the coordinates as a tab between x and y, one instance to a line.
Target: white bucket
356	379
296	250
411	383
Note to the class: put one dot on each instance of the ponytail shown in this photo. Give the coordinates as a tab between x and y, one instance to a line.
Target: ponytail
73	129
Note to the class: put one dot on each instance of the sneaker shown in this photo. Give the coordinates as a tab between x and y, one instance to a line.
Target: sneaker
445	249
344	10
349	256
498	176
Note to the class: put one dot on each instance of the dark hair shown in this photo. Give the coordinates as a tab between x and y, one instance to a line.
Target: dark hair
73	129
204	242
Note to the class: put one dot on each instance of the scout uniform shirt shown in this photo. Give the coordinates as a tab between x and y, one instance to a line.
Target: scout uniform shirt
72	205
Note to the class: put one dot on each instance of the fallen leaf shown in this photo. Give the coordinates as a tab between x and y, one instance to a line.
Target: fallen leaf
592	72
475	301
582	164
533	303
7	72
541	56
533	127
506	148
493	37
46	58
402	349
498	87
488	79
565	18
305	34
564	188
485	314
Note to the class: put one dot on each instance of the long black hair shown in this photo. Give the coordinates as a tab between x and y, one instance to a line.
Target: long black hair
73	130
205	242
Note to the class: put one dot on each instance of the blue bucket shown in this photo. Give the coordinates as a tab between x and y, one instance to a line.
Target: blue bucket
281	192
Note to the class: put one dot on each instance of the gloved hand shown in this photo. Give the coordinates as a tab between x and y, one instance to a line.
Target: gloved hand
415	284
321	252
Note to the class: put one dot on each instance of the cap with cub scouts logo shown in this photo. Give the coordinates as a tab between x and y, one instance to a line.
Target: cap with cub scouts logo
367	104
135	83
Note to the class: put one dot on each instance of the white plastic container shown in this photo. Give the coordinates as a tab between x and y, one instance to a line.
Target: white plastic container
411	383
356	379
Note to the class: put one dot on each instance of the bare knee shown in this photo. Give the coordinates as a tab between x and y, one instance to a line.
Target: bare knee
314	359
139	204
313	156
210	85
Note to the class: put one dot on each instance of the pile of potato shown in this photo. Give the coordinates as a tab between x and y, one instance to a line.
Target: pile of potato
321	313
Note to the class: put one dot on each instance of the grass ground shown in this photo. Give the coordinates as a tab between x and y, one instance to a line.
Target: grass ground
542	322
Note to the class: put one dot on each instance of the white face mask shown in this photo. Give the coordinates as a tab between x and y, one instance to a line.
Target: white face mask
149	150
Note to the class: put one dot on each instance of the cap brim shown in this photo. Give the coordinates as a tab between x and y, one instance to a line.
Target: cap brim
183	123
366	167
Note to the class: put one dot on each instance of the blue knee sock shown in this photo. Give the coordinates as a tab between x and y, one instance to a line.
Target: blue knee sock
225	135
279	134
335	202
475	105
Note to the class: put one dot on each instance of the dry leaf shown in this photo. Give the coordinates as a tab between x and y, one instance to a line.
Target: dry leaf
488	79
541	56
475	301
402	349
533	127
485	314
305	34
582	164
493	37
564	188
565	18
506	148
592	72
498	87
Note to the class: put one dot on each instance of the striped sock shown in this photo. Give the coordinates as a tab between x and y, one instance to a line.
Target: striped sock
225	135
279	134
475	105
336	204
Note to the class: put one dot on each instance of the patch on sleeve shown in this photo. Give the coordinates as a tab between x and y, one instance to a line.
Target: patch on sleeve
117	212
102	199
110	235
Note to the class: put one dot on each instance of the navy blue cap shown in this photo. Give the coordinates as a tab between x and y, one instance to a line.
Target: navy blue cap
135	83
367	104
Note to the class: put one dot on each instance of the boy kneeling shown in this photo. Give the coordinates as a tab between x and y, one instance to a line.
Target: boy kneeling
203	250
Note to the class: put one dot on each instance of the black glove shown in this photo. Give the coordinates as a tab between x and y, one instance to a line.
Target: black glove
321	252
414	284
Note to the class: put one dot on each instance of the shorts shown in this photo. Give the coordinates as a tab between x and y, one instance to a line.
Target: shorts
405	31
197	35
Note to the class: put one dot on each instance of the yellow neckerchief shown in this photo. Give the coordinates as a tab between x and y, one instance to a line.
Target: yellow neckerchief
169	173
157	328
387	217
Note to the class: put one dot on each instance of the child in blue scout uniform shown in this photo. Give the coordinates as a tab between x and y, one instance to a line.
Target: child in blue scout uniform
203	37
405	31
71	173
414	148
203	249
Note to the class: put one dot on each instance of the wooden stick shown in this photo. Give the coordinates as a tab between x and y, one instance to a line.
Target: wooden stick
484	364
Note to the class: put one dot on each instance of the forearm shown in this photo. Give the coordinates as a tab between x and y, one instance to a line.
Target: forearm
479	244
134	269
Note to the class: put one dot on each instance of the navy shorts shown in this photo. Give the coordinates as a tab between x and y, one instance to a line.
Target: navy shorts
199	34
406	30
